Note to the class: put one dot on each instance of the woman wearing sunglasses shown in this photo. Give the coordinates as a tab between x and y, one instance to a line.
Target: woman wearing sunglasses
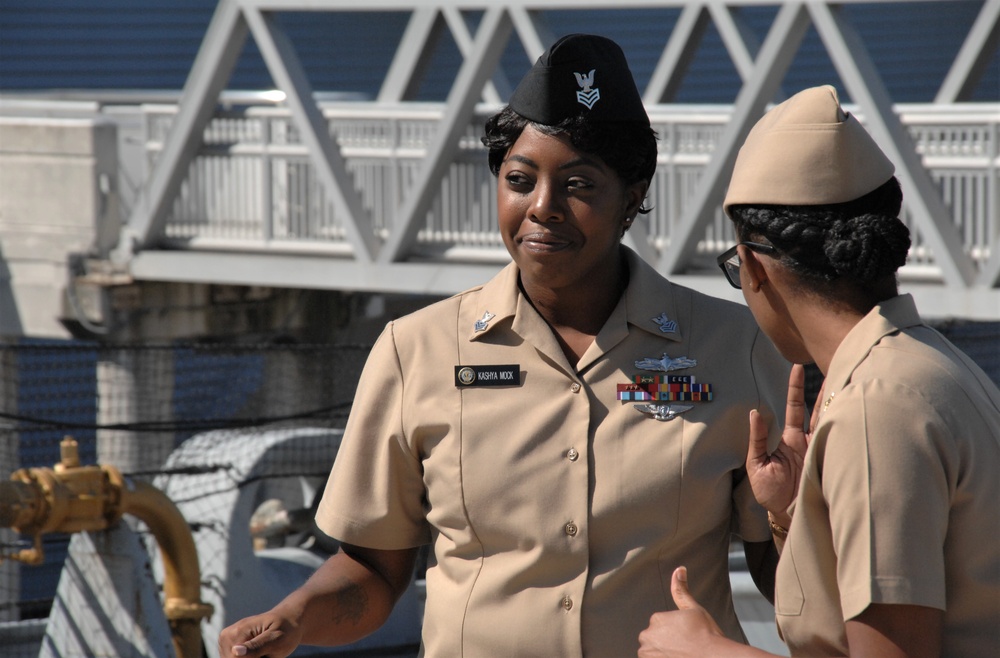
888	506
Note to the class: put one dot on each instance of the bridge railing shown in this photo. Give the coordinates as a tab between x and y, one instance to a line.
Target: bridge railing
253	185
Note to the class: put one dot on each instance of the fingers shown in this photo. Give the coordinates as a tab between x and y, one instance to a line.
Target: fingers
235	647
252	640
266	643
245	638
256	647
757	449
679	589
795	406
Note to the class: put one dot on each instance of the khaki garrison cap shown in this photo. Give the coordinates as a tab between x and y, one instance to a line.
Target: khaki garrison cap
807	151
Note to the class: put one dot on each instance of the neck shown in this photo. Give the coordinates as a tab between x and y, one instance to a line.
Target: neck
583	306
823	328
577	313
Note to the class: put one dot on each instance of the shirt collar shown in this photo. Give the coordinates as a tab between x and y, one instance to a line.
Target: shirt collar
889	317
648	299
498	299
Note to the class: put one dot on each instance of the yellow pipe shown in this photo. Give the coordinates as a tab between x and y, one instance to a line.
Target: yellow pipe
182	577
74	498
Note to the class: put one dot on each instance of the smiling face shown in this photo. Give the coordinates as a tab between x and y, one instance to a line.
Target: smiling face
562	212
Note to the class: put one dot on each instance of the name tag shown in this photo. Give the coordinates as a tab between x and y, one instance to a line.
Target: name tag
500	375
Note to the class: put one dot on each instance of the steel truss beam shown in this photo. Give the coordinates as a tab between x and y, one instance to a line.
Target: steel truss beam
761	69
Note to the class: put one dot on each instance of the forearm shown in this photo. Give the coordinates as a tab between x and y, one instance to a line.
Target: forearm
718	647
680	634
732	649
343	601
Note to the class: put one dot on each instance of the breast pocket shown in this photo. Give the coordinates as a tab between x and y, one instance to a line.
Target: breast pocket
514	464
638	469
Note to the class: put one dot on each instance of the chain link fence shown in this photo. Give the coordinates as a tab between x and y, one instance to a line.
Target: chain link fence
132	406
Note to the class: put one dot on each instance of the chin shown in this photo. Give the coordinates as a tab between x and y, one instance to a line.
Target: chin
799	358
793	353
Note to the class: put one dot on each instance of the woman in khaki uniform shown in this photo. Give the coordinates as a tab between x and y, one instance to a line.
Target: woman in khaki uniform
890	509
562	435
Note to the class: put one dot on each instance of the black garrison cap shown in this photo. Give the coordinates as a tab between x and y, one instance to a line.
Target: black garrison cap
579	74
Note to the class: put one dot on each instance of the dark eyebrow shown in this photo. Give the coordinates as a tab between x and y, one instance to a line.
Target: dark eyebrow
578	162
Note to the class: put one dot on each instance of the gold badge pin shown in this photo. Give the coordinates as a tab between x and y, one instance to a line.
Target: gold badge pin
466	376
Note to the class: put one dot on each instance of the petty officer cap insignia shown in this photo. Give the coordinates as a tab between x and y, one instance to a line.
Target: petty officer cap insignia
807	151
579	74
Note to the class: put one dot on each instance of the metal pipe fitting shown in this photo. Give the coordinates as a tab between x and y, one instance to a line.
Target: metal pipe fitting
73	498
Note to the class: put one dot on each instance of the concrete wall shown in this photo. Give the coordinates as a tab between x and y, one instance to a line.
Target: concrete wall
64	190
57	196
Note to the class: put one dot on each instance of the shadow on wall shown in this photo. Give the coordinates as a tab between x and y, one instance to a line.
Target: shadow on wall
10	320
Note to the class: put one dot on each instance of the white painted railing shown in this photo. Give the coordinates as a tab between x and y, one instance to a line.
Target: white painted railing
394	195
253	182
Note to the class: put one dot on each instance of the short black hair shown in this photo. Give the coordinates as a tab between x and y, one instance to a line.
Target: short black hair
627	147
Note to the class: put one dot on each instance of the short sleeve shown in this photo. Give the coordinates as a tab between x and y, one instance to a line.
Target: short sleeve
375	493
884	480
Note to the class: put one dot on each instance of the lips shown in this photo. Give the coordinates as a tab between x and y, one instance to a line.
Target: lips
543	242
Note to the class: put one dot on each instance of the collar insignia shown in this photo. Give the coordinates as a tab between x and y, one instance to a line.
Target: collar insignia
666	364
666	325
484	322
663	411
587	96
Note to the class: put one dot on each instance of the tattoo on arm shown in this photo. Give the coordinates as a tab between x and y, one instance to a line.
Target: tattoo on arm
352	603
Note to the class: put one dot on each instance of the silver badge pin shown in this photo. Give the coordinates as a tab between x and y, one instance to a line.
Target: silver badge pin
666	325
588	94
481	324
666	364
664	411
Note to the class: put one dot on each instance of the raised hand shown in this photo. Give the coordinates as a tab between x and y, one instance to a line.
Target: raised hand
688	631
774	477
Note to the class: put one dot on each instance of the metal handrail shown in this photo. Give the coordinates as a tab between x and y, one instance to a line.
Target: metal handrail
256	149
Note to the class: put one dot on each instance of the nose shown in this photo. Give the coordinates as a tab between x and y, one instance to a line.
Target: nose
546	203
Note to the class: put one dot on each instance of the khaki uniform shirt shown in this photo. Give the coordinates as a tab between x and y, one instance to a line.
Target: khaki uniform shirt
556	512
900	496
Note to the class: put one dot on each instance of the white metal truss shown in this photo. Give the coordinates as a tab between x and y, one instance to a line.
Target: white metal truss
761	67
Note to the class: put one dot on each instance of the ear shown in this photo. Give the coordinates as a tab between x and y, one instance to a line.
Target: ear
634	195
753	267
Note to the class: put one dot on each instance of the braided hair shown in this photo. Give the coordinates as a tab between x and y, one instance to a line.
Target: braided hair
853	247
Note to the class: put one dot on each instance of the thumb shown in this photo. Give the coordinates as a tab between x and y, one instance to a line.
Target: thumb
679	589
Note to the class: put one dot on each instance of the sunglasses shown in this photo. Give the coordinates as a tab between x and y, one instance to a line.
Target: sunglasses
729	260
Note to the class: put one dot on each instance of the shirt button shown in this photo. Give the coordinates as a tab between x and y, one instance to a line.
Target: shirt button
575	387
571	529
567	603
572	455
